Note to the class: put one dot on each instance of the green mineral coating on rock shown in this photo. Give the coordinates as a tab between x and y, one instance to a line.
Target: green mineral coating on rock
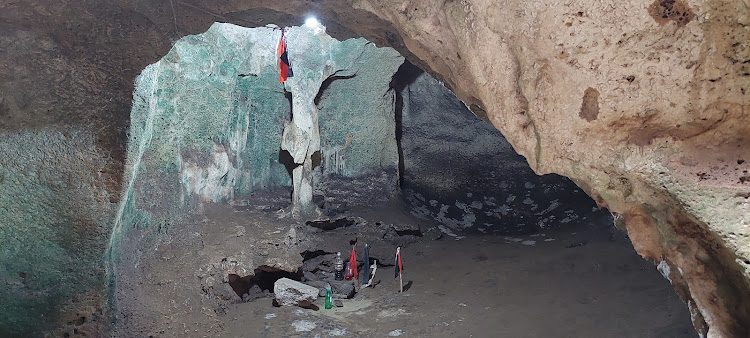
53	229
365	115
206	126
206	123
261	156
320	60
217	87
207	120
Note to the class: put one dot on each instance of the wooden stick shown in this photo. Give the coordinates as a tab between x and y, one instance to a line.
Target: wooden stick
400	270
401	280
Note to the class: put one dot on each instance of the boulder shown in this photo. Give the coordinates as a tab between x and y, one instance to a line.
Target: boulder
309	276
342	289
339	289
320	285
291	292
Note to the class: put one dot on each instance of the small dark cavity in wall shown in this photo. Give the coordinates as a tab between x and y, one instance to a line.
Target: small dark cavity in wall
287	160
317	159
403	234
590	105
308	255
264	278
409	232
406	74
332	224
664	11
326	83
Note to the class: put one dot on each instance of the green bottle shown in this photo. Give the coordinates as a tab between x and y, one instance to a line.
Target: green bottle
329	304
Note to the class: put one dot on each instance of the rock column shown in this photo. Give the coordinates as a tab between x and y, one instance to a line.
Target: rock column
302	139
310	56
316	57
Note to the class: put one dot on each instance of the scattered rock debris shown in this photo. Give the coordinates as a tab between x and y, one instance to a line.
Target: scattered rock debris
396	333
303	325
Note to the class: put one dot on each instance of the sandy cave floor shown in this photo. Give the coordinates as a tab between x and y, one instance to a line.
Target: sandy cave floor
583	280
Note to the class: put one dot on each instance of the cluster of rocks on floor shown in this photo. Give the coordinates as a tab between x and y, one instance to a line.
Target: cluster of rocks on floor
317	276
291	292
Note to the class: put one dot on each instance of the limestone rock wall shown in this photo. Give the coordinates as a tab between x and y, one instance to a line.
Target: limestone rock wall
359	155
642	103
357	127
319	60
54	209
208	126
207	120
461	172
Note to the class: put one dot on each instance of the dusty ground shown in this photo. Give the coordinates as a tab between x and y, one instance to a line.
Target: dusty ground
584	280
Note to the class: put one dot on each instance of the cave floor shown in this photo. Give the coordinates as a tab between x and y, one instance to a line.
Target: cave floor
583	280
489	286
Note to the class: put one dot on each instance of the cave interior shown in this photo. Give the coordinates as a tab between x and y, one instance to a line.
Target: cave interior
158	178
391	158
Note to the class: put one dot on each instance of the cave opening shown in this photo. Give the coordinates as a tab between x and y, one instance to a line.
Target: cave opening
262	279
373	150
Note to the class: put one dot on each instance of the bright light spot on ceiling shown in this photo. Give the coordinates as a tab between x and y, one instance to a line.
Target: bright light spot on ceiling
312	22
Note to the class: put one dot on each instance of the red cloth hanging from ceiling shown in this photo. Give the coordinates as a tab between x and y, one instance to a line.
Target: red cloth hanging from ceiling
285	67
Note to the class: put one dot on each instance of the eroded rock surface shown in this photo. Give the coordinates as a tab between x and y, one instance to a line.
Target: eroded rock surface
206	129
207	120
319	58
53	214
459	170
637	111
